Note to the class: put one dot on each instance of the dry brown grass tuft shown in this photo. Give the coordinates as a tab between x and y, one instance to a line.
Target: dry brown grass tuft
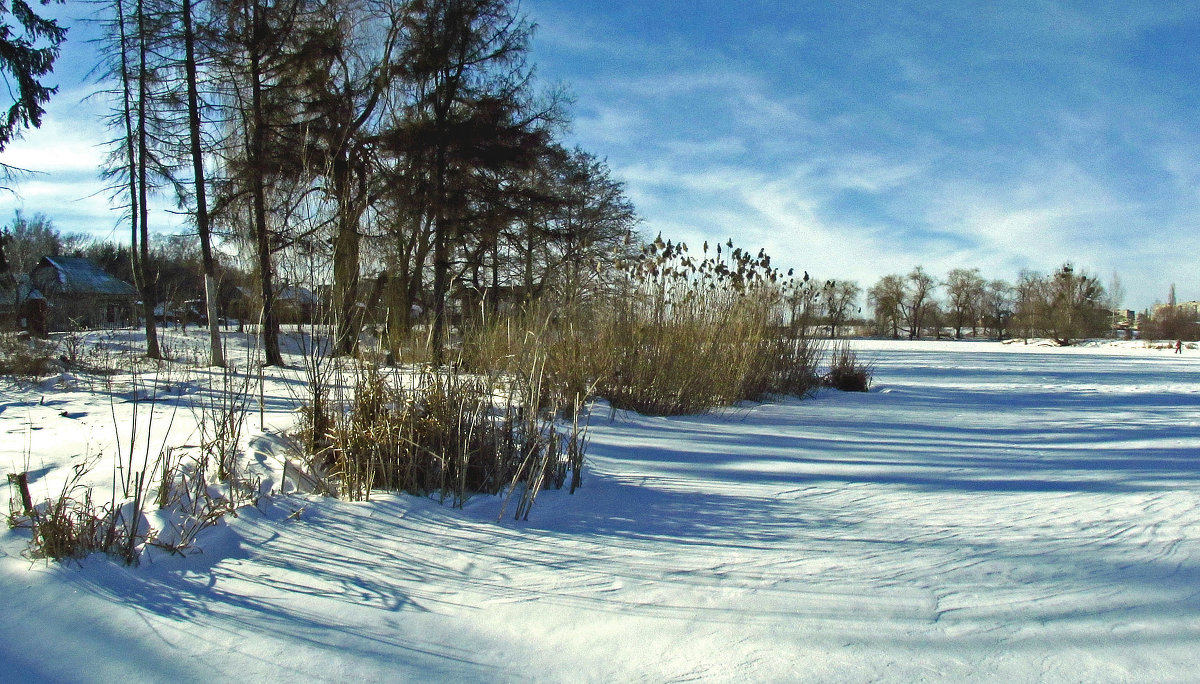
451	434
71	525
846	372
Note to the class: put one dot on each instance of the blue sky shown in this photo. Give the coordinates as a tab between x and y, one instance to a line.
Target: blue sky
855	139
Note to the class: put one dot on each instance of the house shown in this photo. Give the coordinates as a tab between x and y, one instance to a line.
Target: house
293	304
297	304
79	293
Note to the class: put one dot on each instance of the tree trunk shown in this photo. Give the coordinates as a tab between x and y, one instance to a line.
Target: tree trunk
143	268
494	287
345	262
130	144
529	247
441	246
398	306
441	276
270	321
216	355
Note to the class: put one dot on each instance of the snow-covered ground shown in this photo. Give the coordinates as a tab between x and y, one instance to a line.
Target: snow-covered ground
988	512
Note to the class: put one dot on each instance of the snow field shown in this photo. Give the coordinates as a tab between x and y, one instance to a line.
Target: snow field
989	512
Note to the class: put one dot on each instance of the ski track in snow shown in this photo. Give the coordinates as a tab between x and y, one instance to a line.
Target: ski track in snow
988	512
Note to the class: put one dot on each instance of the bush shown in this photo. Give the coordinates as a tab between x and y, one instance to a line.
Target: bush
846	372
24	357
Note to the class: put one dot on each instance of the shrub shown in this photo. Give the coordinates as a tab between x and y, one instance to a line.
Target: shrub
846	372
25	357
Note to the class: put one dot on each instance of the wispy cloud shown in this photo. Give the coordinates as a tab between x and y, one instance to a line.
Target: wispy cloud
867	138
858	139
65	157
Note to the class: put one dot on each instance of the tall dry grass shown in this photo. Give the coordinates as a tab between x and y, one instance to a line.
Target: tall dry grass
677	334
448	433
187	489
674	334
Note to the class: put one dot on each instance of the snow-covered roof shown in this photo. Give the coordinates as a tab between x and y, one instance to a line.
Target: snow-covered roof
297	294
75	275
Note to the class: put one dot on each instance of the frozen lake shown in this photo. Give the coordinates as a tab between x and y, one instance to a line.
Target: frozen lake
987	512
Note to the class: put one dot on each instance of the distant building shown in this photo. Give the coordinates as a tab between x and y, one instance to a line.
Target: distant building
296	304
1124	323
1190	308
293	304
78	293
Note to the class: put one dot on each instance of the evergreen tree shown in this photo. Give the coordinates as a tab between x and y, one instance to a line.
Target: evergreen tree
29	45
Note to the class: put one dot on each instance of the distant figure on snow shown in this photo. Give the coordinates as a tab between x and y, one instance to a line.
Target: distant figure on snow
1178	346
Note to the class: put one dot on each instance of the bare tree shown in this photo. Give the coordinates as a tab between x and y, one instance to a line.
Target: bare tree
216	355
918	289
998	307
262	60
352	76
1078	306
839	299
1172	323
886	299
28	239
585	227
1116	291
1066	305
133	65
965	292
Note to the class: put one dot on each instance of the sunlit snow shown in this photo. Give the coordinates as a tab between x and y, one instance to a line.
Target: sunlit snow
988	512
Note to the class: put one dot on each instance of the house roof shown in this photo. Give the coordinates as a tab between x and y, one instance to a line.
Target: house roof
297	294
294	294
80	276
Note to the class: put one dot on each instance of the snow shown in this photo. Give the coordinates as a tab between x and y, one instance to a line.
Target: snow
989	511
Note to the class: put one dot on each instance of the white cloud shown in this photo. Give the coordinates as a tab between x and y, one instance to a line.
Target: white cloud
59	146
66	156
780	213
1051	213
868	172
606	125
712	148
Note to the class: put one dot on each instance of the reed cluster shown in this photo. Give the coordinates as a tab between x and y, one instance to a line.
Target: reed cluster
448	433
677	334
